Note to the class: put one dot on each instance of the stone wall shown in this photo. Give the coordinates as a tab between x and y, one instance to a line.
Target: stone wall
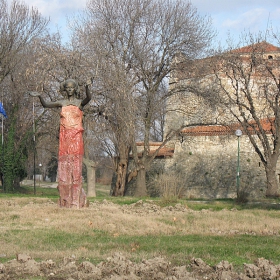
209	165
206	167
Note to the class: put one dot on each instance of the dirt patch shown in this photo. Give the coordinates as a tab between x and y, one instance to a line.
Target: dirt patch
118	267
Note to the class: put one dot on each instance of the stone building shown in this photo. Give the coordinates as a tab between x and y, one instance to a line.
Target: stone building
205	155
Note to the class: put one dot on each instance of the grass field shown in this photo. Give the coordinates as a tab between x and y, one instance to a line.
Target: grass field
210	230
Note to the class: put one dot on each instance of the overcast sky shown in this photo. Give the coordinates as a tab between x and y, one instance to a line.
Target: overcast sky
234	16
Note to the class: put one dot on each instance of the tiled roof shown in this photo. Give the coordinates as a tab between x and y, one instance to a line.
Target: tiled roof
200	68
156	144
263	47
207	130
210	130
163	152
216	130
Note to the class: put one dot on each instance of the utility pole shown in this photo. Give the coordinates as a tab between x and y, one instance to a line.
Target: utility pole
238	133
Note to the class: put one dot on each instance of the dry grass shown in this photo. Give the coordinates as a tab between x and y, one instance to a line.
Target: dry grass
39	228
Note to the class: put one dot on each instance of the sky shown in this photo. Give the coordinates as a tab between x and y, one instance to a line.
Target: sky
228	16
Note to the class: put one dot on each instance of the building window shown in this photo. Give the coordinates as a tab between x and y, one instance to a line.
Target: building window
270	57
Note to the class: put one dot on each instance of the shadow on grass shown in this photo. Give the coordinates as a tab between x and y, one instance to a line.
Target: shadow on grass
103	192
24	191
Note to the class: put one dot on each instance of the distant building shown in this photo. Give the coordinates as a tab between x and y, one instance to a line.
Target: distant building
205	156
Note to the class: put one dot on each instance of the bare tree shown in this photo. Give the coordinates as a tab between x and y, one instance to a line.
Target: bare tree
134	43
249	89
51	64
19	25
94	141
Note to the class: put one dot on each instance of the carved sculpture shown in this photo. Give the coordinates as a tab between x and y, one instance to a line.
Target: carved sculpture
71	148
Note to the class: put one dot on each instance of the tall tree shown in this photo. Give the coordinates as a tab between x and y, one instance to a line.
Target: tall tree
133	43
248	86
51	64
19	25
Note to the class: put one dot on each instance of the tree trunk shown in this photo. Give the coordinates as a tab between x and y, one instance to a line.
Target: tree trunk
141	189
121	178
16	182
121	169
272	184
90	167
